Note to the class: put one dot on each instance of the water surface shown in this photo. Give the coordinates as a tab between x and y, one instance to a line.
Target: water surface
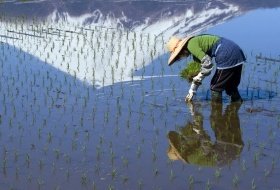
87	104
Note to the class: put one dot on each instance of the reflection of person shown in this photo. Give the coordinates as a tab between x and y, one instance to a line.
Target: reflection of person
192	144
228	58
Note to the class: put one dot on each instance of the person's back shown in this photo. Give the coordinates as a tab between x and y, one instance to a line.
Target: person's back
200	45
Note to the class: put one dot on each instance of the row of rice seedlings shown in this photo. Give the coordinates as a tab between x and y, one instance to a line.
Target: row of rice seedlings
83	51
50	98
46	59
235	179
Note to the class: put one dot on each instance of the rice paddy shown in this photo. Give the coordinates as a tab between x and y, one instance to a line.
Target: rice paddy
86	107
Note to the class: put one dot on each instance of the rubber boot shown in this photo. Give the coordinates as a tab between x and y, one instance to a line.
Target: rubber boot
235	97
216	116
216	96
233	108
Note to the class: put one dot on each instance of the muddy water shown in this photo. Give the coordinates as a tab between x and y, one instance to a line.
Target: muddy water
58	132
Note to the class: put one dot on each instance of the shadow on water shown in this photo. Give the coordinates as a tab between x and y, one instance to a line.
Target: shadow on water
193	145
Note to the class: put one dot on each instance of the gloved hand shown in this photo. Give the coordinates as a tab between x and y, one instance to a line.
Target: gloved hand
192	92
191	107
198	78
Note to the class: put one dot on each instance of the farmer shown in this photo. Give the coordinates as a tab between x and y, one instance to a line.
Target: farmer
228	58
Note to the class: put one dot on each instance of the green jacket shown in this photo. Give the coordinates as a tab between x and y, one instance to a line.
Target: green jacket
199	45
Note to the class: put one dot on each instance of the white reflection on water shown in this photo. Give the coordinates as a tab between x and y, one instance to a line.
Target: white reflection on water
100	55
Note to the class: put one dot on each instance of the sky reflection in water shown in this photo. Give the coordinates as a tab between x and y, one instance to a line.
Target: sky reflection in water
256	31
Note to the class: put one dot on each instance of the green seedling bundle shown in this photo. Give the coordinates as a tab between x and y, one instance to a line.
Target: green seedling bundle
192	69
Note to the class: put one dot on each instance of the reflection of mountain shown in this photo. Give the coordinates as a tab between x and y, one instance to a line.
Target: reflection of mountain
144	15
132	9
99	52
101	55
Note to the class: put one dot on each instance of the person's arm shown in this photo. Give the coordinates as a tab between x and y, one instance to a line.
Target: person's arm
206	67
197	49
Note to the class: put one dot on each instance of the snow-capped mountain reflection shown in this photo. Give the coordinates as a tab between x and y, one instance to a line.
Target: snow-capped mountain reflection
105	42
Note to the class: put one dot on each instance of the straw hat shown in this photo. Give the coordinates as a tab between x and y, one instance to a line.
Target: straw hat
174	142
190	149
174	46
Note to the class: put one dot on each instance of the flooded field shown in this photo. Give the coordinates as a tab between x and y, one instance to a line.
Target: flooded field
91	106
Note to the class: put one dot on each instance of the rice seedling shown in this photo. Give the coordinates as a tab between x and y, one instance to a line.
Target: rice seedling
244	166
190	71
124	161
172	176
266	172
84	179
253	184
111	187
273	164
218	173
16	155
94	186
27	160
40	183
208	185
114	173
53	168
140	184
41	164
139	151
57	153
125	179
235	180
256	157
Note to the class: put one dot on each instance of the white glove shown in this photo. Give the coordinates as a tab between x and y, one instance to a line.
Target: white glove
191	107
192	92
189	97
198	78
